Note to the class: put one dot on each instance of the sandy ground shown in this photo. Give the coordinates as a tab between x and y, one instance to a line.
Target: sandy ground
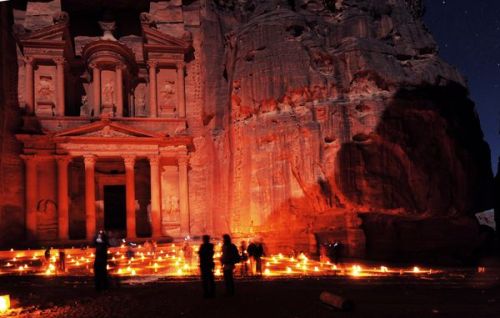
461	294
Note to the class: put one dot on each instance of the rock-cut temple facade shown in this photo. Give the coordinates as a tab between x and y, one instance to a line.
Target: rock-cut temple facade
298	122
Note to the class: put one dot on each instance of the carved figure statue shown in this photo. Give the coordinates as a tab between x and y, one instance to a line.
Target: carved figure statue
45	88
168	94
107	94
140	102
84	108
173	204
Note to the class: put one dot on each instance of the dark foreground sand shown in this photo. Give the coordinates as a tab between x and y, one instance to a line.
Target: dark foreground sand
457	294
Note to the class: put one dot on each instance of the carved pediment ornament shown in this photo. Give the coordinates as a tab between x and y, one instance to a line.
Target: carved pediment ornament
147	19
106	128
61	17
112	52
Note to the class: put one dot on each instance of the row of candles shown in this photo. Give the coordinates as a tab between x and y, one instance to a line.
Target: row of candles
172	260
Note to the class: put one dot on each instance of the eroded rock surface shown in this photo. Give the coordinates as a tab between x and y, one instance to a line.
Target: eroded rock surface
326	110
310	120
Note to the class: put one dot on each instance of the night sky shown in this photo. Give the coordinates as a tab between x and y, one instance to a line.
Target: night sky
468	35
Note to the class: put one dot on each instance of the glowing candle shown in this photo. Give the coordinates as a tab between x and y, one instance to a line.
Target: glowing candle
4	303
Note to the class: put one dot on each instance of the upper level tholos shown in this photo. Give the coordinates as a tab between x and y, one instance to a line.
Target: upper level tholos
68	73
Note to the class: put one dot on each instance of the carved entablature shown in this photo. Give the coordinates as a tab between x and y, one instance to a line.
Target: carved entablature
54	40
46	52
160	45
165	56
107	52
113	69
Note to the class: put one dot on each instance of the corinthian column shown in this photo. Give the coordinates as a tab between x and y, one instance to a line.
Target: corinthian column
96	85
62	197
60	85
130	195
155	196
181	99
90	218
29	99
119	90
184	195
31	196
152	88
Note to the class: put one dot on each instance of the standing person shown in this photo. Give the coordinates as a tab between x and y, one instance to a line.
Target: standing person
207	265
62	260
244	258
257	254
335	252
101	261
187	250
47	257
230	256
251	255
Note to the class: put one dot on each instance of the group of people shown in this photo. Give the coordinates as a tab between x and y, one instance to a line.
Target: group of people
230	256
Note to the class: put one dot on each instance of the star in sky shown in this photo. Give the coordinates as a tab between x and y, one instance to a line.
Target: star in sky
468	35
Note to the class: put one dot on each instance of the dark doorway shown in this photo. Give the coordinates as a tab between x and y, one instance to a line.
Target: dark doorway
114	208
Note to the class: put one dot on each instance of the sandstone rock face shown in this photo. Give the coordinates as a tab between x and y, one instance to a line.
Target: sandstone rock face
311	121
324	111
11	168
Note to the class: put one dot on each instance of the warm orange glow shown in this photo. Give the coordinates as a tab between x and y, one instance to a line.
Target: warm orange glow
170	261
4	303
356	270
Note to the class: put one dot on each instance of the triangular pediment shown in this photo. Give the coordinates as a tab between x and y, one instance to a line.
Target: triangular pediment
156	40
55	32
106	129
53	38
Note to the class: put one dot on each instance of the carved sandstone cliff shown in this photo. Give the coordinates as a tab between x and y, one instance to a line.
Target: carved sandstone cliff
337	119
311	120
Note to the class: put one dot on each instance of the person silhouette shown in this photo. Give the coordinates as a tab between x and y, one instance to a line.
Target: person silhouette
243	258
101	261
207	265
230	256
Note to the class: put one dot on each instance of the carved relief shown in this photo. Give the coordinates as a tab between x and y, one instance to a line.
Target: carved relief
46	89
167	96
108	92
84	108
172	207
140	100
170	199
45	95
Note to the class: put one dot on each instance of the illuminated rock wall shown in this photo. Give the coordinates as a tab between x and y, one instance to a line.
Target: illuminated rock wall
325	115
310	121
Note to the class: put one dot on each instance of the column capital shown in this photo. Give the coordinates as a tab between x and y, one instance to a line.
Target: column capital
93	65
129	161
183	160
152	64
89	160
121	67
59	60
180	65
29	60
154	160
30	158
62	159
